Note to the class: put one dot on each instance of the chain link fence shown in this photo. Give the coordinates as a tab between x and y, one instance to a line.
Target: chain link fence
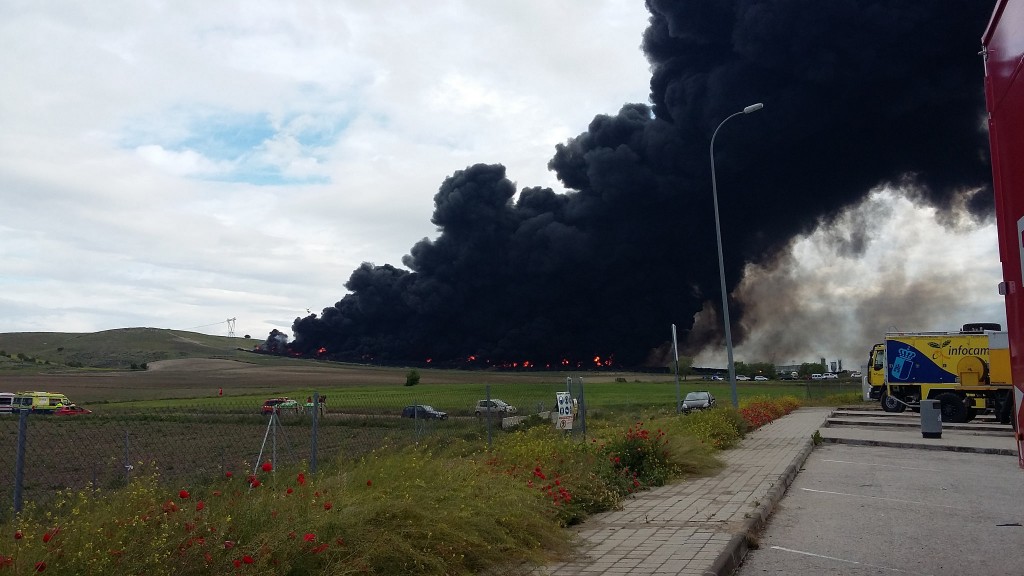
183	443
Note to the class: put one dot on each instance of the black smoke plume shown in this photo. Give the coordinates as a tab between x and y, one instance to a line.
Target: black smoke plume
856	93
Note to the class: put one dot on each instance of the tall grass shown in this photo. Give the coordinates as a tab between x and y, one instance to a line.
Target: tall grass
427	508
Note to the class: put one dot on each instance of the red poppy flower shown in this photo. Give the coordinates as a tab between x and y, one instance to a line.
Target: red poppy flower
267	466
228	474
309	537
237	563
319	549
200	505
40	566
49	536
18	535
328	505
301	479
289	490
247	559
183	494
369	482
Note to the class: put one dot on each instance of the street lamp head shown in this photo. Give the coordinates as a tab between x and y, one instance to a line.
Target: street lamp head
753	108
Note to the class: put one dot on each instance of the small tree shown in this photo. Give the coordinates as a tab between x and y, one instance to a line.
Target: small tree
412	378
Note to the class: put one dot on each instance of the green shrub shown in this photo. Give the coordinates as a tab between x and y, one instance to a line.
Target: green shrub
412	378
720	428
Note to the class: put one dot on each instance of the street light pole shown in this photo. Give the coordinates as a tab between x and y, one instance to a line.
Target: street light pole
721	259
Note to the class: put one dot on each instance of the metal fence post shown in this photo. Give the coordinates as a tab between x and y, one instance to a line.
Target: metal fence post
583	411
313	439
127	461
19	466
489	411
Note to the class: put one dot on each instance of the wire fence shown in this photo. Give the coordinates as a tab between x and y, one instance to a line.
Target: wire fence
182	443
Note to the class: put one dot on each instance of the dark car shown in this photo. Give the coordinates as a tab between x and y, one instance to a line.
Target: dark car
423	412
702	400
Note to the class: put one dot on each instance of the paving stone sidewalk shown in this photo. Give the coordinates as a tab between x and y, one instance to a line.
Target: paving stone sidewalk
698	526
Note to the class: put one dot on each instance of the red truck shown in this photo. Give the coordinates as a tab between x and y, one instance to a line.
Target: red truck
1003	51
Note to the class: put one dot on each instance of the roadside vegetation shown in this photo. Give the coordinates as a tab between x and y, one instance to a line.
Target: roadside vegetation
442	506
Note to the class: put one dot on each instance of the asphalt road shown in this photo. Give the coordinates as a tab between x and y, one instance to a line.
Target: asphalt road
865	510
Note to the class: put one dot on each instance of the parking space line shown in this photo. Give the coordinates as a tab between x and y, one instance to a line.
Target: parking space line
877	498
882	465
849	561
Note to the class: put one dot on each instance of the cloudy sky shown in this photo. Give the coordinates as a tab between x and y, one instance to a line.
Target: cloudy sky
177	164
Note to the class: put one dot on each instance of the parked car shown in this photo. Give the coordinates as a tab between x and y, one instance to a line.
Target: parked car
717	378
760	378
817	377
71	410
493	406
855	374
273	405
742	378
830	376
700	400
423	412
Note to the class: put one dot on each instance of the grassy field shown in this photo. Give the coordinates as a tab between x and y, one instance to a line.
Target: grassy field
189	423
195	410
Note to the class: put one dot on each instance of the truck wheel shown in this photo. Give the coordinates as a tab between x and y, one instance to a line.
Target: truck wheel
1006	409
891	404
952	408
972	413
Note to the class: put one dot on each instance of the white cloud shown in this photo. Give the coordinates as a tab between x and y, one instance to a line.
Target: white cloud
174	164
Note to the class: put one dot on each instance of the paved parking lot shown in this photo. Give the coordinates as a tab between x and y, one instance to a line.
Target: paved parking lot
866	510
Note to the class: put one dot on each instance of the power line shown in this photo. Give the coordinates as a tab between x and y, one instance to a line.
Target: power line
230	322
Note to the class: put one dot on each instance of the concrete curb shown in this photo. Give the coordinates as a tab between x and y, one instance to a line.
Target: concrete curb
736	550
897	444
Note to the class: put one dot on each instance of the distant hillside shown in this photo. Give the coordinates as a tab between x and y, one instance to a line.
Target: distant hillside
123	348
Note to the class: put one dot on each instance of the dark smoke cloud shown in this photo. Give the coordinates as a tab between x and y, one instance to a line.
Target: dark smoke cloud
857	94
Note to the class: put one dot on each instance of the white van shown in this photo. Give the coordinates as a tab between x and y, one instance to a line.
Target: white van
817	377
6	401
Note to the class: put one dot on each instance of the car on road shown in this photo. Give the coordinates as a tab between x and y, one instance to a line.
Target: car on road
71	410
423	412
830	376
275	405
742	378
493	406
760	378
698	400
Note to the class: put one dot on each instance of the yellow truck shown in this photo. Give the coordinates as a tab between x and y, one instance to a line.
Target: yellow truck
968	372
39	402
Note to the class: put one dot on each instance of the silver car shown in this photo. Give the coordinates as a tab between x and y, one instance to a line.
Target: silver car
493	406
701	400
